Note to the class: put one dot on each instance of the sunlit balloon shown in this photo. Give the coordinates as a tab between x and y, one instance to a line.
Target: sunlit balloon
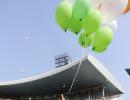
128	7
96	3
113	25
96	18
70	1
102	39
92	21
81	9
84	40
63	14
112	9
75	25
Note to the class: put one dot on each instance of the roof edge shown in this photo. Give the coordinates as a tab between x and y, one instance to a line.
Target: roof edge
105	72
44	75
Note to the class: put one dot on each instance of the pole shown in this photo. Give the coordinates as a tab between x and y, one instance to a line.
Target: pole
103	92
89	98
29	98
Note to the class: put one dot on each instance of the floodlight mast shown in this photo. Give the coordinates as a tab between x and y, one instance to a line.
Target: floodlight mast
62	60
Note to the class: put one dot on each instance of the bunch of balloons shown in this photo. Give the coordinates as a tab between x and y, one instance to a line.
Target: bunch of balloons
94	19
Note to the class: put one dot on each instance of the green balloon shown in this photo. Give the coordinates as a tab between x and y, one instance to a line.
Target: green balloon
81	9
63	14
102	39
93	21
99	49
75	25
85	41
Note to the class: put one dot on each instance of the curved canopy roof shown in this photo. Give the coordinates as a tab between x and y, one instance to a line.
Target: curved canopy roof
128	71
92	73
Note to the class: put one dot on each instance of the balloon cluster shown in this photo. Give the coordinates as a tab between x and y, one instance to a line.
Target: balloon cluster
94	19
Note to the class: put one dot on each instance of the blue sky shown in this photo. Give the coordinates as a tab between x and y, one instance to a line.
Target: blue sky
30	39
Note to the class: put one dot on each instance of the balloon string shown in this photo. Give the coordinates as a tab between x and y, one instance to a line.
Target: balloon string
76	72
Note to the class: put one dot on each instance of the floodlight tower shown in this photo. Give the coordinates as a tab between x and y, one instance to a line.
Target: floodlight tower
62	60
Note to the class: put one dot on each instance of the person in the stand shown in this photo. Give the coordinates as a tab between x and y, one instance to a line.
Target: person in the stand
62	97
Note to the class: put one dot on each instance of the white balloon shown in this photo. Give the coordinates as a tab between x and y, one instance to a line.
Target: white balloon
96	3
113	25
70	1
111	9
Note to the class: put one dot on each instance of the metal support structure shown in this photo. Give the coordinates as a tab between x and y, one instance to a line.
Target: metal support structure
89	95
29	98
103	92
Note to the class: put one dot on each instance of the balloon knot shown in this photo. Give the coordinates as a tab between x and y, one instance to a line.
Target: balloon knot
76	33
80	19
93	48
82	43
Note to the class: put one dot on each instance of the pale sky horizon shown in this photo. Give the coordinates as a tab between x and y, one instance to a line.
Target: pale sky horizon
30	39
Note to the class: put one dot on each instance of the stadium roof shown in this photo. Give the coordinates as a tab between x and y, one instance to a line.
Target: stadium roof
128	71
92	73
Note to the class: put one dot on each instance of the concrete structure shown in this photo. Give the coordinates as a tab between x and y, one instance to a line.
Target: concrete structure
93	82
128	71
